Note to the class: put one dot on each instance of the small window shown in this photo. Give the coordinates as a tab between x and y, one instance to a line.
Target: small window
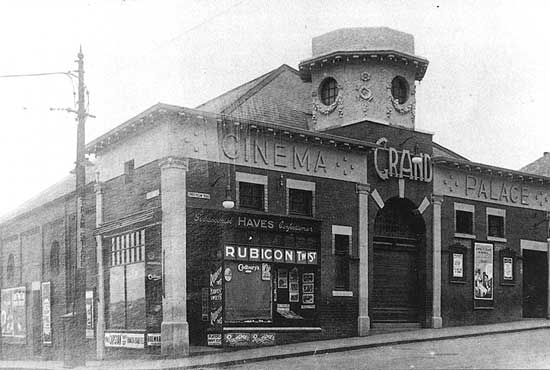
400	89
464	220
328	91
128	171
496	223
341	256
300	202
54	258
251	196
10	269
495	226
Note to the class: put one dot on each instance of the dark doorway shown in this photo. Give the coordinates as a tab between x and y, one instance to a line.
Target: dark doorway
535	283
398	263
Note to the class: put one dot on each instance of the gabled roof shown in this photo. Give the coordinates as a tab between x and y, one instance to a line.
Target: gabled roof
278	96
539	167
441	151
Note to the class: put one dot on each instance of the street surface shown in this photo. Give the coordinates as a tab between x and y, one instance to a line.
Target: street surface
528	349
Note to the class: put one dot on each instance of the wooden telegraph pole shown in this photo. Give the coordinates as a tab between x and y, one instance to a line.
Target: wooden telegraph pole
75	319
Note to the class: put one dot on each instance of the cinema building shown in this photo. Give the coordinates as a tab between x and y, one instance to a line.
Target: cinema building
301	205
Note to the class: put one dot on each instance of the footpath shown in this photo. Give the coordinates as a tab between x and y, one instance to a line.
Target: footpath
235	357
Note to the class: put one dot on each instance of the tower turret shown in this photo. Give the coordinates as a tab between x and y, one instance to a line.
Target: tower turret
360	74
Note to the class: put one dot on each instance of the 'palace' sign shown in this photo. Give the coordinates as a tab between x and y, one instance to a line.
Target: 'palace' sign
400	164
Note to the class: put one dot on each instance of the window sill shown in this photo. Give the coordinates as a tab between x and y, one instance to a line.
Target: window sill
342	293
496	239
464	236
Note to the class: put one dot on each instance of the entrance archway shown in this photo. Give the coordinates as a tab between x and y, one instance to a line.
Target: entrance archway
398	263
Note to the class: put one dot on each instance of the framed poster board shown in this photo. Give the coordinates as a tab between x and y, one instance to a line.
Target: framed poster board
247	295
457	264
507	259
46	313
483	275
13	312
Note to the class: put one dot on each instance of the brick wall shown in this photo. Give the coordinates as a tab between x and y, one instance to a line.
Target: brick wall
457	299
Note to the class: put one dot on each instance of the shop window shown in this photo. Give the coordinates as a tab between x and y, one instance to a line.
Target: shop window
496	221
54	258
126	307
300	197
341	236
128	171
10	269
251	191
464	220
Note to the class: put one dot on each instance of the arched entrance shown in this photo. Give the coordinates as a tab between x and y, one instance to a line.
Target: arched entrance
398	263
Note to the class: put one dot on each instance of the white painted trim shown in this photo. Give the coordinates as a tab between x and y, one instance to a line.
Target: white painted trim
533	245
342	293
300	185
342	230
251	178
465	236
377	198
401	183
267	328
496	212
465	207
496	239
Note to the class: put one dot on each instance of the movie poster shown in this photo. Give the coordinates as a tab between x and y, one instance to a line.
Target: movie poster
46	313
13	314
483	271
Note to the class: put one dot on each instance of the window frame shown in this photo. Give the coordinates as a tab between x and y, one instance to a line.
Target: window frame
348	232
292	184
496	212
328	94
251	178
463	207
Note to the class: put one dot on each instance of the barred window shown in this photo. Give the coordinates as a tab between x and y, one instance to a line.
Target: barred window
128	248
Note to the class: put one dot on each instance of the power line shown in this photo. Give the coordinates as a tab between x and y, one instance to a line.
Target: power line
38	74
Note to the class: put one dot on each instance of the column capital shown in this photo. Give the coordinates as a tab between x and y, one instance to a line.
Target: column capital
98	187
437	199
174	162
362	188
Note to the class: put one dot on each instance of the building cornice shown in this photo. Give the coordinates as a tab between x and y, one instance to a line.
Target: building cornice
164	112
480	168
364	56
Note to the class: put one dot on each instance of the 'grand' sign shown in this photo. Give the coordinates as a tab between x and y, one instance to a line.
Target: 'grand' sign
389	162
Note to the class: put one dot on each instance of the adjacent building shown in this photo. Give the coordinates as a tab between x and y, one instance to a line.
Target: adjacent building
302	205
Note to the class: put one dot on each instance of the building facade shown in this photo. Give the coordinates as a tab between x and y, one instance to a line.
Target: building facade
301	205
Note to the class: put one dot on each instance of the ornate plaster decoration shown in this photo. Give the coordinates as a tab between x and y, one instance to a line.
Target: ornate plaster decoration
364	93
400	108
326	110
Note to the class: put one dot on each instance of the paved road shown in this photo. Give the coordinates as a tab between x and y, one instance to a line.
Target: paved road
530	349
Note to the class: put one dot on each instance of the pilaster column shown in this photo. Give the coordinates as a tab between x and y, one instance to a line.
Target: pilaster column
174	328
548	288
436	321
100	324
363	320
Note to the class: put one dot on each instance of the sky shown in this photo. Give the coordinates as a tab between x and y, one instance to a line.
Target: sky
480	96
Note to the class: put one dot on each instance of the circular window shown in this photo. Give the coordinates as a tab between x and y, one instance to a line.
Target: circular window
400	89
328	91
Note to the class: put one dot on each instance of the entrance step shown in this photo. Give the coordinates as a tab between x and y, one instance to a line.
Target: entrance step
390	327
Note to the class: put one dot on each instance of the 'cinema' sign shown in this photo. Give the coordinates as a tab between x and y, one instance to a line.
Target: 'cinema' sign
278	255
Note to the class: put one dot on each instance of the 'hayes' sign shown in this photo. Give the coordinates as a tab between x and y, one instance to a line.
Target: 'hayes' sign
400	164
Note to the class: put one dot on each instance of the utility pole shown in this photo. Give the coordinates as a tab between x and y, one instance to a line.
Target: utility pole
75	319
